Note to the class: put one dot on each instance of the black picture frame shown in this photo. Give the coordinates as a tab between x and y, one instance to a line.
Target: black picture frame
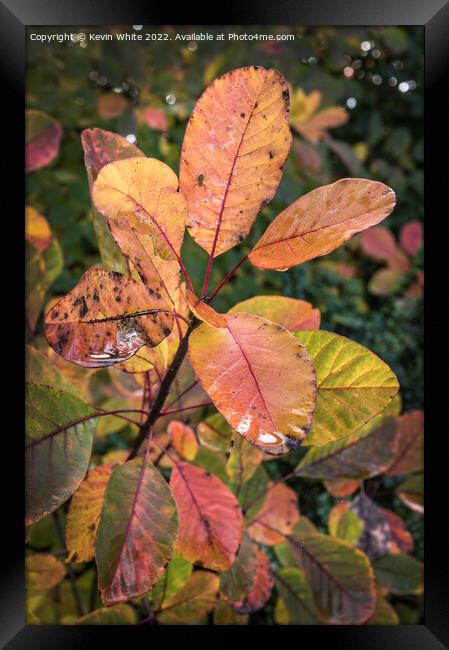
15	16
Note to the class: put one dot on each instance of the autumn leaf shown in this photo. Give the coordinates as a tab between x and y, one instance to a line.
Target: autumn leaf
340	578
210	519
137	531
120	614
183	439
259	378
224	614
296	596
377	536
411	237
173	580
411	492
341	487
214	432
400	574
409	457
110	105
42	571
37	229
291	313
261	589
321	221
402	540
155	118
380	244
277	517
106	318
311	123
204	312
243	461
363	454
42	140
59	433
40	370
84	513
384	614
239	579
235	146
193	601
354	385
144	190
344	523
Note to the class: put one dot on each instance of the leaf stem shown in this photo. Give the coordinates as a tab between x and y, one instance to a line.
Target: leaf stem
164	388
227	278
192	385
186	408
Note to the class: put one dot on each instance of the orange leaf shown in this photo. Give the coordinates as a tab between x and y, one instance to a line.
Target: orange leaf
235	146
155	118
314	129
37	230
204	312
403	540
106	318
341	487
210	519
322	220
280	511
111	105
144	191
83	516
102	147
291	313
380	244
260	379
183	439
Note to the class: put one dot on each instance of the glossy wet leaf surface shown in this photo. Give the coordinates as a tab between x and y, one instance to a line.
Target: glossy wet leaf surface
106	318
322	220
137	532
354	385
210	519
58	437
234	149
259	378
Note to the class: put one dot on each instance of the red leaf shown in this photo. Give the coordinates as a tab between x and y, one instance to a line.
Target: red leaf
411	237
261	590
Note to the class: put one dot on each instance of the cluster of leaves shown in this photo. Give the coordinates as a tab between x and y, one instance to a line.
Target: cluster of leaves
214	473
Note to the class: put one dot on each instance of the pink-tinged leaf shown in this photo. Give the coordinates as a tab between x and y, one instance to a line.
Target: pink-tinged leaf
110	105
321	221
235	146
42	140
210	519
106	318
137	531
380	244
377	536
261	590
314	128
411	237
183	439
307	157
259	377
409	457
37	229
277	517
155	118
291	313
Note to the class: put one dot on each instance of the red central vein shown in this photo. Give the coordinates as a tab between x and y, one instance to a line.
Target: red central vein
222	208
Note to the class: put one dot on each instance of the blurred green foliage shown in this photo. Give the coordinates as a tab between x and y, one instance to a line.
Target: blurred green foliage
375	73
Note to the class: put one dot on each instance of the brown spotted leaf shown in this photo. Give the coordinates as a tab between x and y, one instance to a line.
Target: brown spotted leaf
235	146
259	378
321	221
137	531
106	318
210	519
83	515
42	140
291	313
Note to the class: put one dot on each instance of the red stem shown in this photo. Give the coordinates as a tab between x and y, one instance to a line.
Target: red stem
186	408
183	393
227	278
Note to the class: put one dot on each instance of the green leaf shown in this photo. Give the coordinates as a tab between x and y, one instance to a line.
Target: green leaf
58	446
384	614
173	579
212	461
40	370
345	524
243	461
42	571
193	601
224	614
354	385
137	531
411	492
340	578
120	614
215	433
296	596
42	268
400	574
